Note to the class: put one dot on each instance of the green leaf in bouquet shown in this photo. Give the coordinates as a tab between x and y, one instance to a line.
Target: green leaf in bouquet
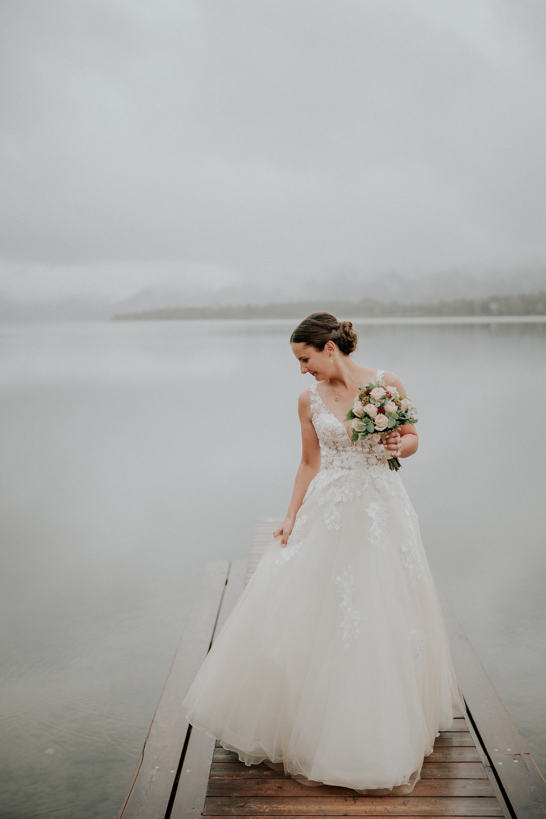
354	436
370	427
350	415
391	424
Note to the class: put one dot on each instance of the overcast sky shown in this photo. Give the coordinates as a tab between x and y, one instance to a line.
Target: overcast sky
207	143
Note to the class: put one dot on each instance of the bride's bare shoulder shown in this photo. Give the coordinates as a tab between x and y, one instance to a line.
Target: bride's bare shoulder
366	374
392	380
304	402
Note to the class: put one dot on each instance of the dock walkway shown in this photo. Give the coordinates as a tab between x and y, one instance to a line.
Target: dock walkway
480	768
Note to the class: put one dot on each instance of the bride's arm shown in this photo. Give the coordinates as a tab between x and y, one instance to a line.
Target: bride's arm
308	468
404	441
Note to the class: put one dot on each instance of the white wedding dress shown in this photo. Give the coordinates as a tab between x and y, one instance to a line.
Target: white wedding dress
335	661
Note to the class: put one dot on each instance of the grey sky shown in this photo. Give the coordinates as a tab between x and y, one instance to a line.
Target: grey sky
203	143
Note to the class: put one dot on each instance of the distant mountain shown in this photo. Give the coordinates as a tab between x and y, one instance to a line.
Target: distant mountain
192	295
345	286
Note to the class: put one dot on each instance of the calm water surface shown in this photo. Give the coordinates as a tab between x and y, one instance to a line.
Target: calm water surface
133	453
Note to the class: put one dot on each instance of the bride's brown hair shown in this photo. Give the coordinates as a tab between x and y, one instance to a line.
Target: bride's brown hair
318	328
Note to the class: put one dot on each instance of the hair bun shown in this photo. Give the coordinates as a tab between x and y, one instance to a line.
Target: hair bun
347	338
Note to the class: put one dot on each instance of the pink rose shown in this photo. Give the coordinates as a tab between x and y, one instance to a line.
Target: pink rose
358	409
377	393
371	410
381	422
391	407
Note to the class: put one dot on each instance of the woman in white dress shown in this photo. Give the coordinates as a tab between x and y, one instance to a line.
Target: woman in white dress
335	661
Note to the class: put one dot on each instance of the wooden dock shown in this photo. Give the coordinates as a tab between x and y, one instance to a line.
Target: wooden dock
480	768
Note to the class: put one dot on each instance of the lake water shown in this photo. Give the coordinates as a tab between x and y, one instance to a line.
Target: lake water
132	453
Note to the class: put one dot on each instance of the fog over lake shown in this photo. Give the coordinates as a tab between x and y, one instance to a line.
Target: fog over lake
135	452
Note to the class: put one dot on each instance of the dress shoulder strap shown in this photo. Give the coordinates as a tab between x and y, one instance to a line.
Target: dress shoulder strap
314	398
379	375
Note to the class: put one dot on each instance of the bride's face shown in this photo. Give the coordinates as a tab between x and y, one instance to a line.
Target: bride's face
313	361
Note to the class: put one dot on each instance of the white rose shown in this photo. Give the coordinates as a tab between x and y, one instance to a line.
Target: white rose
405	404
381	422
391	407
357	425
377	393
392	392
371	410
358	409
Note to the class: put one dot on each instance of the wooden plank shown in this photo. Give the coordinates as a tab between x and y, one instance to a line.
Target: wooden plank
490	773
454	755
287	786
353	805
457	738
191	786
459	724
453	770
234	589
430	770
511	761
150	789
189	796
262	535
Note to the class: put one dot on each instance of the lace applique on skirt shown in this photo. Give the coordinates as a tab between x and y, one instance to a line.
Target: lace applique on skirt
349	625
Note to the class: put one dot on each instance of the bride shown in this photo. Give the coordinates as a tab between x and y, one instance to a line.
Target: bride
334	664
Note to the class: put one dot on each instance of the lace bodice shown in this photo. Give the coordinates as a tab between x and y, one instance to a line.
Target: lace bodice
336	449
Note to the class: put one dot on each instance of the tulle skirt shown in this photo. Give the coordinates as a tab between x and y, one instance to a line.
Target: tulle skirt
334	663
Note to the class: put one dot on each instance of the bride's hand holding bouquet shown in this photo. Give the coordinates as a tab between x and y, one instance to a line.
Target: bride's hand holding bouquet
380	410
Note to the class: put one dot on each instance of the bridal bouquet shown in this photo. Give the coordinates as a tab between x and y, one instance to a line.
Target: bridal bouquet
377	410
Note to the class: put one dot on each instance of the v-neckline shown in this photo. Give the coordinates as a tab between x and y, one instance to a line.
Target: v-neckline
347	432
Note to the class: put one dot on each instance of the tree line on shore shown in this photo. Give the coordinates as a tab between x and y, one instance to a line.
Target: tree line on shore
525	304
